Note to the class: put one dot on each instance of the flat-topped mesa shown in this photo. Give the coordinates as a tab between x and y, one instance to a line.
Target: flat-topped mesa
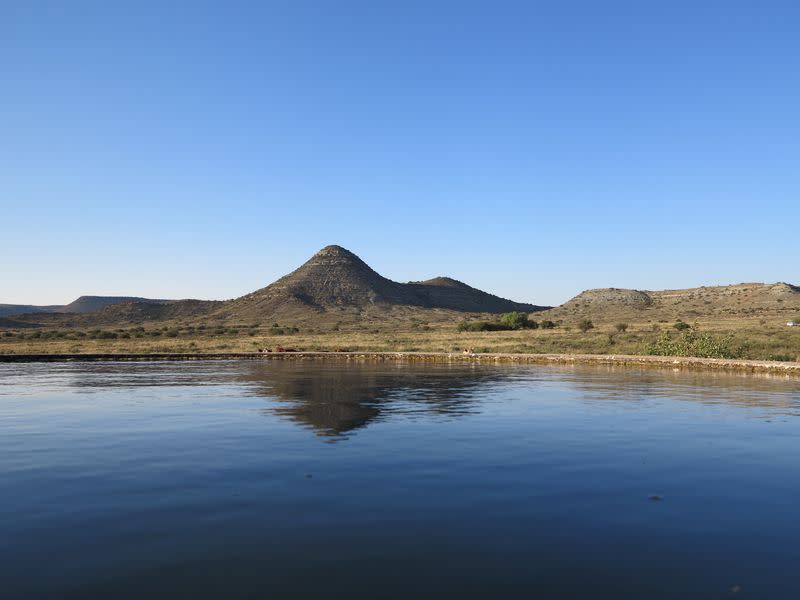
746	301
88	304
82	305
615	296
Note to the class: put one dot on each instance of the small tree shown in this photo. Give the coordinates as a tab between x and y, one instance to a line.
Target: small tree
621	327
514	320
585	325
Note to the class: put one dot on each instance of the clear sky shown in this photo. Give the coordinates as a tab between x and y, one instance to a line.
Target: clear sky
532	149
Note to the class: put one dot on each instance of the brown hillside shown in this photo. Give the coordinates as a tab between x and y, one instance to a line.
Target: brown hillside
336	280
137	312
82	305
125	313
744	301
87	304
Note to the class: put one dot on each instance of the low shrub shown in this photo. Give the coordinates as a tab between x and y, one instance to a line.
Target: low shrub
482	326
781	357
696	344
282	330
517	320
102	335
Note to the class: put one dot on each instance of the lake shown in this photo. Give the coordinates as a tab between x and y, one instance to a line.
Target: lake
303	479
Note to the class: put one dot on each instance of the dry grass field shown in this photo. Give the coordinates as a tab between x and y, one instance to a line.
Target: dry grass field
746	339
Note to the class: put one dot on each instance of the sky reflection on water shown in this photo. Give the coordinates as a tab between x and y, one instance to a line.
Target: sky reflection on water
385	480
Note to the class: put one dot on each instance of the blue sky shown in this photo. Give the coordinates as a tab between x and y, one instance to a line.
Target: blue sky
532	149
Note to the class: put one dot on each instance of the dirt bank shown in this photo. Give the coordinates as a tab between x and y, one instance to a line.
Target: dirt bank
711	364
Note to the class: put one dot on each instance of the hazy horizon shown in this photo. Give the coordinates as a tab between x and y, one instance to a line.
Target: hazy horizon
531	151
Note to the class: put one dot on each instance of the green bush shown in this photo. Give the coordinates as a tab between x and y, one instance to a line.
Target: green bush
514	320
103	335
508	321
585	325
282	330
482	326
694	343
547	324
681	326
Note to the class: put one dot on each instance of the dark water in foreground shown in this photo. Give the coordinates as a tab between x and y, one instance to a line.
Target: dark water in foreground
289	479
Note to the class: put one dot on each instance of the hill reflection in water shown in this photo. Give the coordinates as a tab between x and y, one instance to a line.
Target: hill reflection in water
335	399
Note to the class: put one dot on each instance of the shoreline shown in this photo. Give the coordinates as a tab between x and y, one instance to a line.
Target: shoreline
671	362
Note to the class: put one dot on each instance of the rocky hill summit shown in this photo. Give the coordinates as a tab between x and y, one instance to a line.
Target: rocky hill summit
335	278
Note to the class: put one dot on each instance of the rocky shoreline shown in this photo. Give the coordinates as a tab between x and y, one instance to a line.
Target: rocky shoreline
675	363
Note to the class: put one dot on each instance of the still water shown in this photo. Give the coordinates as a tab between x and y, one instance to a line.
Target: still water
284	479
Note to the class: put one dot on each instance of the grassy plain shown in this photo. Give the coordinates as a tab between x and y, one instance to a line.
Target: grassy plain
752	339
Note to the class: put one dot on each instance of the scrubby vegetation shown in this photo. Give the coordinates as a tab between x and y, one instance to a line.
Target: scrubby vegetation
142	332
511	321
518	320
695	343
482	326
681	326
758	338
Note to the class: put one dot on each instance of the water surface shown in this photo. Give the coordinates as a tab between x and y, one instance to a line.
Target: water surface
309	479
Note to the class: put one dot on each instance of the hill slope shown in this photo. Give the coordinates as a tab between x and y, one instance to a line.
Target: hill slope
122	313
82	305
744	301
8	310
336	280
87	304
